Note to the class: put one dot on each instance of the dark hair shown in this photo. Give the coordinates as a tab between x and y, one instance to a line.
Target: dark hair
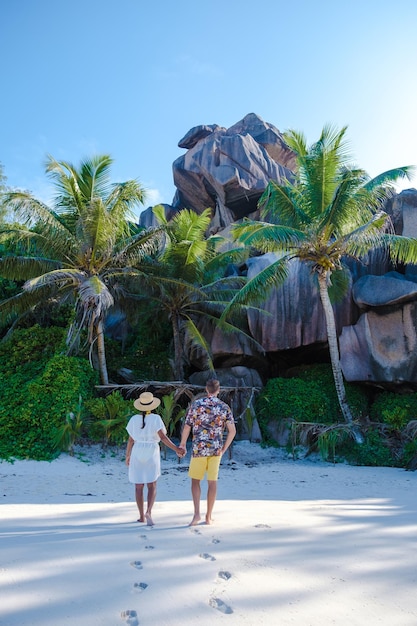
212	385
143	420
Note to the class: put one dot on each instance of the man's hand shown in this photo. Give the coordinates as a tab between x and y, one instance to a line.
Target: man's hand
183	451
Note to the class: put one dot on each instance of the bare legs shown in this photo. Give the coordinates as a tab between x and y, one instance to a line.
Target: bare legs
196	494
151	502
211	499
140	502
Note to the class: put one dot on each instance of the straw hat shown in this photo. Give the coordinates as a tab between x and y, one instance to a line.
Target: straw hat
146	402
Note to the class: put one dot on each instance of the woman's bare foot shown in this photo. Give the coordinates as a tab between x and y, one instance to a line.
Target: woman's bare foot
141	519
149	520
195	520
209	520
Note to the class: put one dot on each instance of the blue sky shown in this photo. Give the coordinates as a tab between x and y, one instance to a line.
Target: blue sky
131	77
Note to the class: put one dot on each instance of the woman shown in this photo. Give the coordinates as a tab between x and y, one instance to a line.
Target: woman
143	454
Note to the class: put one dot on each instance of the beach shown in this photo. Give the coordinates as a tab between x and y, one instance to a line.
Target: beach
293	542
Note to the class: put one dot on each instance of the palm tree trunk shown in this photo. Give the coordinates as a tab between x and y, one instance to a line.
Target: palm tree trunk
178	352
101	354
334	354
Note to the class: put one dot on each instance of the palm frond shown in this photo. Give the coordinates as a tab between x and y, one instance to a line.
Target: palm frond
345	208
220	261
137	249
24	302
55	278
257	289
24	268
159	213
389	177
366	237
340	281
123	198
68	198
401	249
93	177
198	339
318	168
189	226
283	204
93	292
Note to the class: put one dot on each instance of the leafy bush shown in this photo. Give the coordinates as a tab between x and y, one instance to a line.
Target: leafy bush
67	433
171	413
111	416
373	452
409	452
40	387
311	397
394	409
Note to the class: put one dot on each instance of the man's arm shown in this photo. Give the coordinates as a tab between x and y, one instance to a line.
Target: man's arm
185	432
231	432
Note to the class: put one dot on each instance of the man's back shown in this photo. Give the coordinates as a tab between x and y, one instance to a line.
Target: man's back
207	418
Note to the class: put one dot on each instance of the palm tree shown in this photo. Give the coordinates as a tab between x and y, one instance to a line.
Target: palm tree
329	212
187	283
81	250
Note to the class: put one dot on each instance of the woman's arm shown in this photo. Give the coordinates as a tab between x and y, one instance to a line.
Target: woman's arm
129	449
167	441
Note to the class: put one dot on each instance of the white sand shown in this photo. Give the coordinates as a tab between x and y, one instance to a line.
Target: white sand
300	543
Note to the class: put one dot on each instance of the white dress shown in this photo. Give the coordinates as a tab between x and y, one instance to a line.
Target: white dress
145	457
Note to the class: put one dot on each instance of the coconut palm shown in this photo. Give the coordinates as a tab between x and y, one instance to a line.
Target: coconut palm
330	211
187	283
81	250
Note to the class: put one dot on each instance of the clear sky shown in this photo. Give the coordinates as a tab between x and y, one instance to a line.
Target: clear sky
130	77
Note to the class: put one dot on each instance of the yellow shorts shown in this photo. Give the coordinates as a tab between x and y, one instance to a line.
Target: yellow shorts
199	465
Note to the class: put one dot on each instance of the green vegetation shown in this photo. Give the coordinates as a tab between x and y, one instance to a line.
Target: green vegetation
83	250
309	397
394	409
187	287
40	387
331	211
111	415
304	414
69	269
171	413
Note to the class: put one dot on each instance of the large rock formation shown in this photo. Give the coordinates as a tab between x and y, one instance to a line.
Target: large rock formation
227	170
381	346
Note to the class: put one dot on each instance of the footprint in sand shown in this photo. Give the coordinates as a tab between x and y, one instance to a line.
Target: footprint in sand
130	617
206	556
149	548
195	531
218	604
224	575
136	564
142	536
139	587
214	540
262	526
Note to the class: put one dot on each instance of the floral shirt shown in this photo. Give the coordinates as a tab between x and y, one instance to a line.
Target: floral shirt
207	418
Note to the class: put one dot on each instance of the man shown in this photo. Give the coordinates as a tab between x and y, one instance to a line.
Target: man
207	419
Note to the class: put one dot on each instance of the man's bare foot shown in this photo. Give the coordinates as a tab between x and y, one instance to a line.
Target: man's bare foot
195	520
149	520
